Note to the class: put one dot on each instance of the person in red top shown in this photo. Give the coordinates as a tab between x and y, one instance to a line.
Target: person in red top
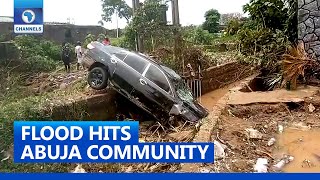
106	42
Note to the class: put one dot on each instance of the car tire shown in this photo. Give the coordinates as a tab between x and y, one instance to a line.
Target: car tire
98	78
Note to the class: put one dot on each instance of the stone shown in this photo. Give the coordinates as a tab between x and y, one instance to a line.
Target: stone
311	108
312	44
310	38
313	6
253	134
316	50
315	13
300	3
219	150
308	1
309	23
310	51
302	15
317	32
261	165
301	30
316	21
309	30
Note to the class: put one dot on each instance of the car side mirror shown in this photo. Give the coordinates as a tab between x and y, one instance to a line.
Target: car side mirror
176	109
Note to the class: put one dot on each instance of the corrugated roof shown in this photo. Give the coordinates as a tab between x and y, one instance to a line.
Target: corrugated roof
6	19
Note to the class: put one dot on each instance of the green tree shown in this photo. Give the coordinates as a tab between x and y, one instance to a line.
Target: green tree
212	21
275	14
118	7
149	23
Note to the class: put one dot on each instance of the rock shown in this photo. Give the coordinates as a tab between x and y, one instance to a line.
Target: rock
300	3
79	169
308	1
219	150
313	6
129	169
315	13
63	86
286	160
280	128
182	136
311	108
309	23
310	38
317	31
261	166
271	142
309	30
253	134
316	50
303	15
301	30
204	170
316	21
315	43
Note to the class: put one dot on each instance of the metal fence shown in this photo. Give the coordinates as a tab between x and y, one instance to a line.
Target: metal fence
194	80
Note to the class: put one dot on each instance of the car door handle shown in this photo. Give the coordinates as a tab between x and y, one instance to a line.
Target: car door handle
142	82
113	61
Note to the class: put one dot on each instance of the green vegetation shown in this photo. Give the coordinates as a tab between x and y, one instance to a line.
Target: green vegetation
211	23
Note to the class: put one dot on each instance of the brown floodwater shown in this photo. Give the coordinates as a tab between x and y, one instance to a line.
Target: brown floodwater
304	146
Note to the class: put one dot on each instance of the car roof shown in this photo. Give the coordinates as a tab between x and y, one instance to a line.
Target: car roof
114	50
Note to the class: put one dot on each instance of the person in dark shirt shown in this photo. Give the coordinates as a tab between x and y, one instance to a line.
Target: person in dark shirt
66	57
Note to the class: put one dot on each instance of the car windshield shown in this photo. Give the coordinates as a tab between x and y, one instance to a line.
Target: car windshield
171	72
184	92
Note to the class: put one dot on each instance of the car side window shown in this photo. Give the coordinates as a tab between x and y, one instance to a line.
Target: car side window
155	75
121	55
136	62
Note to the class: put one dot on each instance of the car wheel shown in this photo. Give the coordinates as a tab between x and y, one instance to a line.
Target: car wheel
98	78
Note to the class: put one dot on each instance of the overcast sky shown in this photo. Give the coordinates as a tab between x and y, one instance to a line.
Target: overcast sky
88	12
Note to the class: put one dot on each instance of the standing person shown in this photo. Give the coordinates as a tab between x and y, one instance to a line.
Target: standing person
66	57
106	42
78	51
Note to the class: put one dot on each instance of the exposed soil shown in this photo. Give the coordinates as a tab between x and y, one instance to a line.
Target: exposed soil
243	150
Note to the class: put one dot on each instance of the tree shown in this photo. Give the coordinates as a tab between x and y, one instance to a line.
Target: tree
116	7
226	18
275	14
212	21
149	21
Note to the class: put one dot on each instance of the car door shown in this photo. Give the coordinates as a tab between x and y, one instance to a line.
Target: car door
155	89
129	68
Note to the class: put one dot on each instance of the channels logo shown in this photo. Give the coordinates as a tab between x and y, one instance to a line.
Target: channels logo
28	16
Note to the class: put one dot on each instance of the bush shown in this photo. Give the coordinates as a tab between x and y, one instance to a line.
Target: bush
198	36
31	46
38	64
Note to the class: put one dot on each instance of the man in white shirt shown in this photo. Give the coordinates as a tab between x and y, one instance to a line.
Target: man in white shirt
79	55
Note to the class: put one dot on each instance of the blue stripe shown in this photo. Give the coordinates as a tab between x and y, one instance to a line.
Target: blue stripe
162	176
28	3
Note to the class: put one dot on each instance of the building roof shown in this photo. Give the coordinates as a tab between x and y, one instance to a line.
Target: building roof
6	19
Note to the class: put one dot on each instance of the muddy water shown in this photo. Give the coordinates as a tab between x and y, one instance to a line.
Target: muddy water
302	145
210	99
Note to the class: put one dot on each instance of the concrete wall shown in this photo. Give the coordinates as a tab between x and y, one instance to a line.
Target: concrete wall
59	33
309	26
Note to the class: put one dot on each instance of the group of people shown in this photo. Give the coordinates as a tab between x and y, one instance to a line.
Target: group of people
66	54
